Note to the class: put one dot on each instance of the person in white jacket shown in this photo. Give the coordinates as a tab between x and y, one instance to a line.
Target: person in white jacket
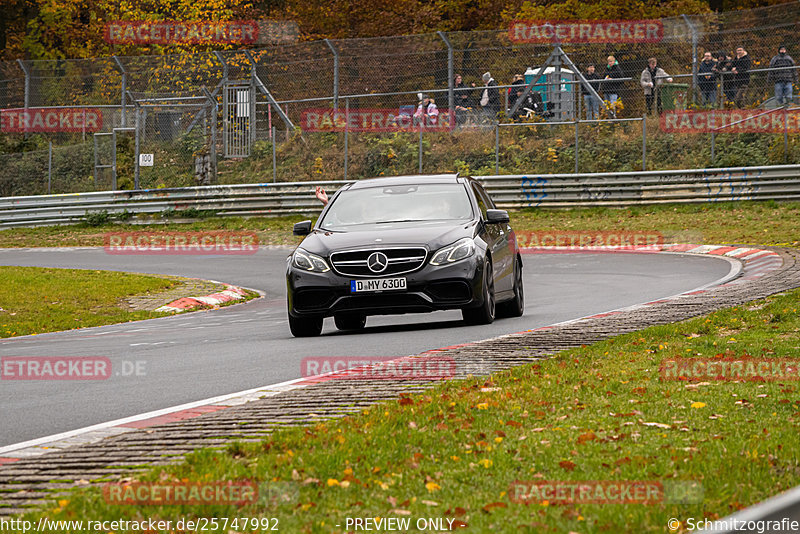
652	78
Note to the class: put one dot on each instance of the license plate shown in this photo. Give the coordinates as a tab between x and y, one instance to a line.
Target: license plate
381	284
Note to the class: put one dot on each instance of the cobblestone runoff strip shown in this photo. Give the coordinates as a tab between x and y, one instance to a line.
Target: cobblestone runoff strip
28	481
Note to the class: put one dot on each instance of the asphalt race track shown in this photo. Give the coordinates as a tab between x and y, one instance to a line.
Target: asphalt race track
199	355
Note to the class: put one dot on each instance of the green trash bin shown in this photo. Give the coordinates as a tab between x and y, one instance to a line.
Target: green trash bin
674	96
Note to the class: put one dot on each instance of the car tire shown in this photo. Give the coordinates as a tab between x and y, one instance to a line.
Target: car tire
485	313
516	306
350	321
305	326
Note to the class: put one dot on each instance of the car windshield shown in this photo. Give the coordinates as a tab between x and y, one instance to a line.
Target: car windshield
398	203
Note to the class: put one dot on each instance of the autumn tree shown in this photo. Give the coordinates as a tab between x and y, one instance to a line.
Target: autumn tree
57	29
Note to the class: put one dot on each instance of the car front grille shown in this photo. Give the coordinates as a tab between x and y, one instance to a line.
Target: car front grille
399	261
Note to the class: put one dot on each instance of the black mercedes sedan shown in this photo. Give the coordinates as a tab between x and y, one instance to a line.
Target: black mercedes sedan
402	245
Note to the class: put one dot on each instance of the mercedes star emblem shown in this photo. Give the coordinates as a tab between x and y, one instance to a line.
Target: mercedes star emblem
377	262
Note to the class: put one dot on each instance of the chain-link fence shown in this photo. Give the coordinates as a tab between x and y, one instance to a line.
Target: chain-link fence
389	64
56	169
386	76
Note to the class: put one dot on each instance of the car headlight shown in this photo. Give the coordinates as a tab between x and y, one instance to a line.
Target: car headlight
309	262
463	248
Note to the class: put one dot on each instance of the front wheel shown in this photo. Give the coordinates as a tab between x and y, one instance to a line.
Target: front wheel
516	306
305	326
483	314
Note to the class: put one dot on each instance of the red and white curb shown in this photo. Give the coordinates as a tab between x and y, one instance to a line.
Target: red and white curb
746	264
753	263
230	293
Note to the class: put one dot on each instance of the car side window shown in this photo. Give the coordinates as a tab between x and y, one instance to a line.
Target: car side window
481	199
487	198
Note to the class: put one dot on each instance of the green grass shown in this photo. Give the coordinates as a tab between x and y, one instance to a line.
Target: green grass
455	450
35	300
763	223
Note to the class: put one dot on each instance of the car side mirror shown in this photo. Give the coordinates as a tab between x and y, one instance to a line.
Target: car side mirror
497	216
302	228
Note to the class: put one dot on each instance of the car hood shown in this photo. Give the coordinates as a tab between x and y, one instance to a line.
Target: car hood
430	235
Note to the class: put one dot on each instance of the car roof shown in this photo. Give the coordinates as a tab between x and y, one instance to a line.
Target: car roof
407	180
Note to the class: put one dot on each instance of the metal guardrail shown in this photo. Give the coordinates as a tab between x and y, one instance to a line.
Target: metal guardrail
775	515
781	182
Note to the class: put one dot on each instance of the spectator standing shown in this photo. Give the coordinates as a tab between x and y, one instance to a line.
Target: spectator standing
419	113
591	102
651	80
490	99
513	92
784	78
706	81
722	70
431	112
519	90
462	99
612	86
740	67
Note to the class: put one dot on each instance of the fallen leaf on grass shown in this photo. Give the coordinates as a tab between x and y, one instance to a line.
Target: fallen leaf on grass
489	507
432	486
566	464
659	425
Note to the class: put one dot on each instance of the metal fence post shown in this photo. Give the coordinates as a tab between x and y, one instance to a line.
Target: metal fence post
577	122
785	134
27	72
346	131
96	161
136	150
713	142
497	148
252	101
123	89
450	74
212	153
694	57
274	164
335	74
420	147
114	160
49	165
644	142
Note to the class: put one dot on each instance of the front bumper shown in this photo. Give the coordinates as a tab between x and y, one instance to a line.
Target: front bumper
431	288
